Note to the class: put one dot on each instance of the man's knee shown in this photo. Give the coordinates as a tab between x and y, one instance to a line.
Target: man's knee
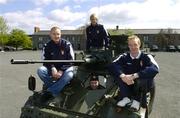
41	70
69	72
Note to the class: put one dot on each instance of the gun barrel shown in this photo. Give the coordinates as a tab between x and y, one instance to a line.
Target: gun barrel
46	61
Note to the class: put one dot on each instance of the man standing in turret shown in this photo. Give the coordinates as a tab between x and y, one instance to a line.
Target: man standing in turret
97	37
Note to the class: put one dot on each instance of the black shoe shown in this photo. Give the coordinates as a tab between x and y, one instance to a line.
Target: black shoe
45	97
44	87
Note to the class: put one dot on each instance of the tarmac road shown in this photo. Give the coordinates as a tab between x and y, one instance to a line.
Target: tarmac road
167	101
14	91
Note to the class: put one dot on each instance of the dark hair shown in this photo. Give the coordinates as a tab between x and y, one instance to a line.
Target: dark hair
94	78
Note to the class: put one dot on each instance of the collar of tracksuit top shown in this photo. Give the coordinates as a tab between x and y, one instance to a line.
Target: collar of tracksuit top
133	64
137	57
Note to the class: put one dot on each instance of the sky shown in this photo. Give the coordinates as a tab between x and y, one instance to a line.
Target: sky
72	14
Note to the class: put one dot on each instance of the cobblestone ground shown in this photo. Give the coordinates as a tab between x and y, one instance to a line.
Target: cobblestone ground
14	90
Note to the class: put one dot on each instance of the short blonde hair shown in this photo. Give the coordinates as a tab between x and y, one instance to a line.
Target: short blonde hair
134	37
93	16
54	28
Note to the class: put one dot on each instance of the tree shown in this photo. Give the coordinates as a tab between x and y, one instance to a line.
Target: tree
165	37
4	39
18	38
27	44
128	32
3	31
162	40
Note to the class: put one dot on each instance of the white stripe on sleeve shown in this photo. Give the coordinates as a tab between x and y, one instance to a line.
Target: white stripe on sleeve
42	54
118	58
153	60
71	52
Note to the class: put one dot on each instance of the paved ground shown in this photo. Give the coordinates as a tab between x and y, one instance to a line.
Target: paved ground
167	101
14	91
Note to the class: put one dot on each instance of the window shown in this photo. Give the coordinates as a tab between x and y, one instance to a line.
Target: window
40	38
146	38
73	38
40	45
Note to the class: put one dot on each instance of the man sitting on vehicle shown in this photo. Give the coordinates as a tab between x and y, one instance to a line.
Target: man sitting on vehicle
131	67
56	75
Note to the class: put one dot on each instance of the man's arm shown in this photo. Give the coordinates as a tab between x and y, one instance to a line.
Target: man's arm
150	70
115	68
105	37
88	41
47	56
71	52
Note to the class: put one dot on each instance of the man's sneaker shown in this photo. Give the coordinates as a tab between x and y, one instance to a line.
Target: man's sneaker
135	105
143	112
44	87
123	102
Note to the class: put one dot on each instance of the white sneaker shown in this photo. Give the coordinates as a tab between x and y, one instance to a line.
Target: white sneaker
142	112
123	102
135	105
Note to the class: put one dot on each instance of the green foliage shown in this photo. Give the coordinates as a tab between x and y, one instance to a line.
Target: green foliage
3	31
18	38
166	37
128	32
3	26
119	40
162	40
119	43
4	39
27	43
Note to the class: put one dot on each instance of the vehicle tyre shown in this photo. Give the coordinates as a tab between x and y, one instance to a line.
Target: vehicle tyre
150	101
31	83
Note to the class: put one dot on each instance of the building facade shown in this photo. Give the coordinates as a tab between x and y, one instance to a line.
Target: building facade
160	37
149	37
76	37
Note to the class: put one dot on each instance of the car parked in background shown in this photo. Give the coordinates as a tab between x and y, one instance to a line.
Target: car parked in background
154	48
1	49
9	48
178	48
171	48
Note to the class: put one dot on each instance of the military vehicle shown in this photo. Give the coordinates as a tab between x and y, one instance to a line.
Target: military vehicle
76	100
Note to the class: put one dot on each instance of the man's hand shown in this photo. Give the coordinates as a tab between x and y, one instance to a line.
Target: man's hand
56	74
128	79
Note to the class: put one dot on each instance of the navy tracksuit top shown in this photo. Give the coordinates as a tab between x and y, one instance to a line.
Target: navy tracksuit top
61	51
96	37
145	66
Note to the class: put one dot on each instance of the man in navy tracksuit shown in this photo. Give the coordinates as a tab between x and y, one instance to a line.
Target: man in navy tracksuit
131	67
97	37
56	75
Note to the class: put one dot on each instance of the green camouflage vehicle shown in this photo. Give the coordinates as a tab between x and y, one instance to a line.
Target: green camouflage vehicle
76	100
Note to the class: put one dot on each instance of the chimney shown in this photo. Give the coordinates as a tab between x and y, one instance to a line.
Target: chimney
117	27
36	29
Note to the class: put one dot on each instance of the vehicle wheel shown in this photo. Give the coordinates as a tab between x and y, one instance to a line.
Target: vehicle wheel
32	83
150	101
